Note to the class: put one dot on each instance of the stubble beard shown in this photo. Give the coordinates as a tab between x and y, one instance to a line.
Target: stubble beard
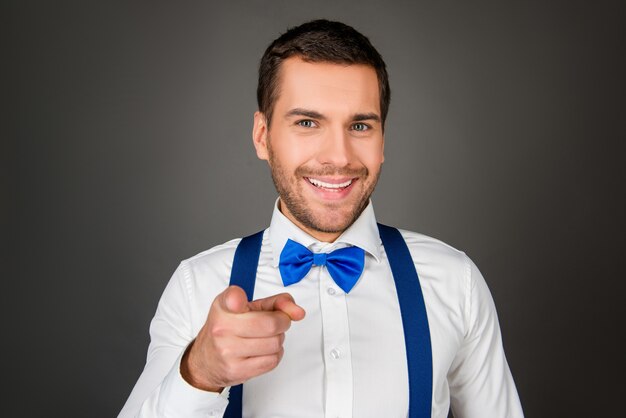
288	189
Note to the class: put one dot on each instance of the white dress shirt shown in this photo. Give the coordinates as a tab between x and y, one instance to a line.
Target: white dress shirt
347	357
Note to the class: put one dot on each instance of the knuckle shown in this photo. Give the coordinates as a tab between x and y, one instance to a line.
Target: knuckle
275	327
277	343
270	324
286	324
224	351
231	372
281	323
218	329
273	361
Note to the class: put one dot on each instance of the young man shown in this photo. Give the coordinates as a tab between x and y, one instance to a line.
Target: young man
365	328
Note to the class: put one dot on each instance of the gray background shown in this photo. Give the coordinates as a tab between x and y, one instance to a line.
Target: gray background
130	150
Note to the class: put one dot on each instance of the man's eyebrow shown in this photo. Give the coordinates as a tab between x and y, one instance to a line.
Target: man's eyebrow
357	117
366	116
304	112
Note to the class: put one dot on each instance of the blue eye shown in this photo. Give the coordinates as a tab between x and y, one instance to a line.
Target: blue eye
360	127
306	123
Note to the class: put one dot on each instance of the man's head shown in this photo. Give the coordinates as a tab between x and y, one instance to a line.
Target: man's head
318	41
325	90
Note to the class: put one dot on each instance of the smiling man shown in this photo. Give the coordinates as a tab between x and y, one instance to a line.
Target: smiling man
324	145
326	313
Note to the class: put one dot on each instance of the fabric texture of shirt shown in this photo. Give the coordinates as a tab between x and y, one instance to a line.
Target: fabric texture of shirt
347	357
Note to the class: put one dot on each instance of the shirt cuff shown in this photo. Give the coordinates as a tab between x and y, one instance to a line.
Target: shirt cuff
179	399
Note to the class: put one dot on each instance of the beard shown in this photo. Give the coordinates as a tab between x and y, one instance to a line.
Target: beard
336	217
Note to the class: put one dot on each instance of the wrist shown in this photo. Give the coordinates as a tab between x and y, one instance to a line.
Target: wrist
186	371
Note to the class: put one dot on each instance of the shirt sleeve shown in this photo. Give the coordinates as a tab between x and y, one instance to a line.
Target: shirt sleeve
481	384
161	391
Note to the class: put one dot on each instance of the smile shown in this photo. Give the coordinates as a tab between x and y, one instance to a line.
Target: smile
333	187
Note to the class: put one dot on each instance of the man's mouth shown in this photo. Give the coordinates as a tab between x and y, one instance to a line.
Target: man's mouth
332	187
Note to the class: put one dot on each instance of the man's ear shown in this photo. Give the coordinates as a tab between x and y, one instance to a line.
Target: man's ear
259	135
383	160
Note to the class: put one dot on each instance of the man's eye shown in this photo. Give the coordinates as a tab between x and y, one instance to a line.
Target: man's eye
360	127
306	123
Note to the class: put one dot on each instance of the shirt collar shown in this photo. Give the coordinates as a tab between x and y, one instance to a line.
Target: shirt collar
363	233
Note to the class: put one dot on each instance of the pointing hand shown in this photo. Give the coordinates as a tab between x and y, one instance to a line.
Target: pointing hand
239	339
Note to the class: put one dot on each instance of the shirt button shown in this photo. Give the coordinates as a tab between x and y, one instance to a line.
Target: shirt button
334	353
331	291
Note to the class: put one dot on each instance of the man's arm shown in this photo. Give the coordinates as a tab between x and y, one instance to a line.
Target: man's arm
160	386
481	384
185	377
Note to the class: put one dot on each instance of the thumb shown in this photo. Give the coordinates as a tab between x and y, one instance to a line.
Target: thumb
234	300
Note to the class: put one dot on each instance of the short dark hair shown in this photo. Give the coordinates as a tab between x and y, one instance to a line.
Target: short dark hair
319	41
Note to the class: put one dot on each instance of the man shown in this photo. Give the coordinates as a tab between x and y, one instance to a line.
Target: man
344	339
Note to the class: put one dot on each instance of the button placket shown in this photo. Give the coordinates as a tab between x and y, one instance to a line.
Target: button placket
336	345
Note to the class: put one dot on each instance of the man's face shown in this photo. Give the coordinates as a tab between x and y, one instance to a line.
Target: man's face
324	145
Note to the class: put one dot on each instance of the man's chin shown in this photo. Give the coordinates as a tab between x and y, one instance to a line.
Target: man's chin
329	217
332	222
330	228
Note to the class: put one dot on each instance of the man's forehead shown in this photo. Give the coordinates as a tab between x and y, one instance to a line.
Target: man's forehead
305	84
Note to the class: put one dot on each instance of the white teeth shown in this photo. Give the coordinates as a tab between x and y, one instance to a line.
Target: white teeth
325	185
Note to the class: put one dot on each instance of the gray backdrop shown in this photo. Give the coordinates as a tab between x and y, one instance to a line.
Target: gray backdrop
130	150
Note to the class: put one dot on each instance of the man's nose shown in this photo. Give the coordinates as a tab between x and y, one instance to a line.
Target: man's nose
335	148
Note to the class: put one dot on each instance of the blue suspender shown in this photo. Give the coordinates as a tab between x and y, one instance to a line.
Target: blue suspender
419	357
243	274
412	308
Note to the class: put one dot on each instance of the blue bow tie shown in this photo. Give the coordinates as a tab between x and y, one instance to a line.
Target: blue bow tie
344	265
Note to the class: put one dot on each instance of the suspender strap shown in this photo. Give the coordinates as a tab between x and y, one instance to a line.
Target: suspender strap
414	321
412	309
243	274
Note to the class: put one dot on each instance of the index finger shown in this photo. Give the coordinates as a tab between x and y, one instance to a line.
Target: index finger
282	302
